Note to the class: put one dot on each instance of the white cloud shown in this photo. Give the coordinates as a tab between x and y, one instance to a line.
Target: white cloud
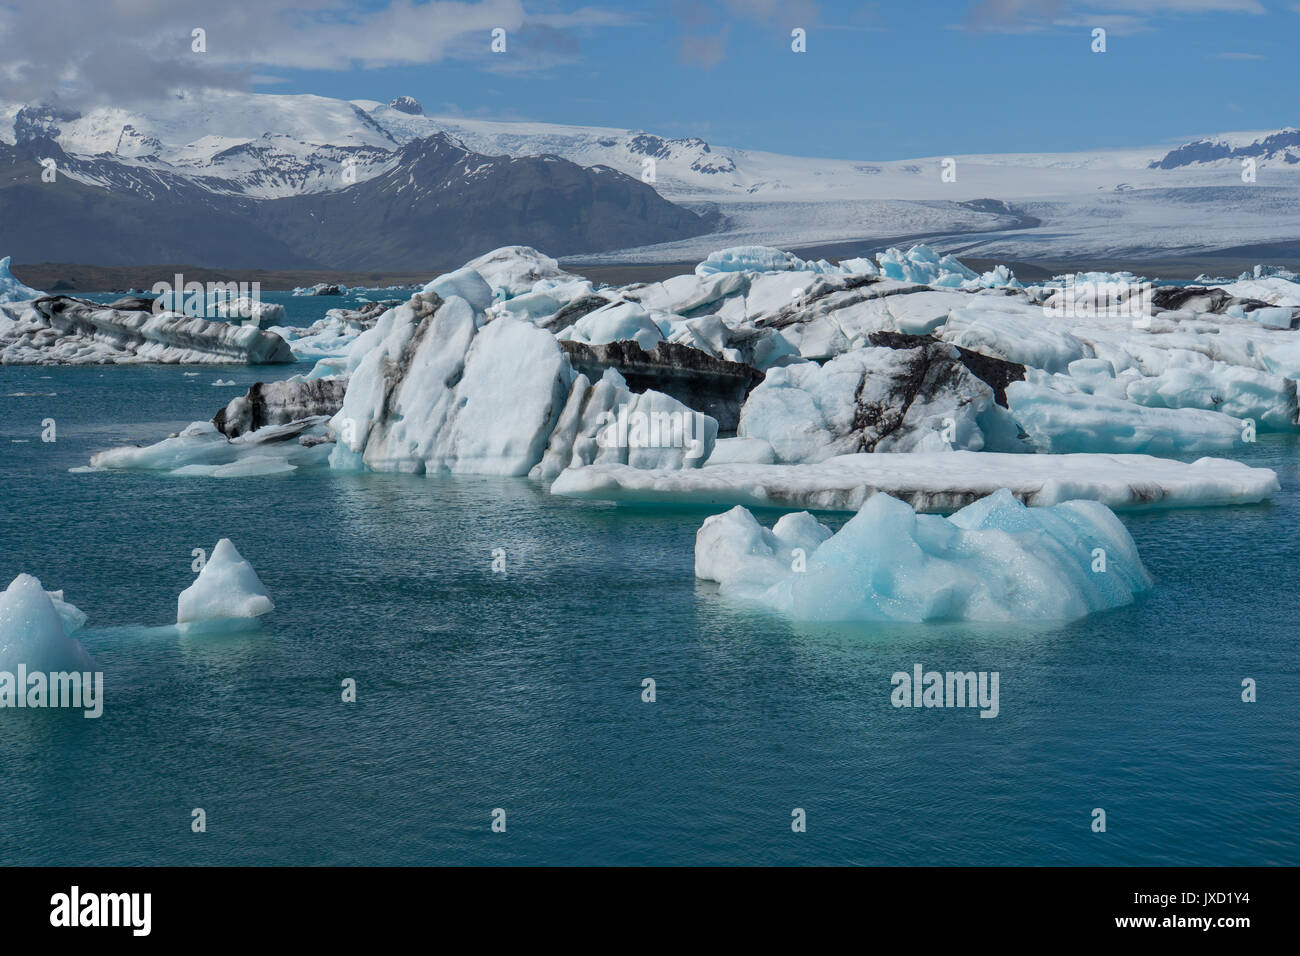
1129	16
117	50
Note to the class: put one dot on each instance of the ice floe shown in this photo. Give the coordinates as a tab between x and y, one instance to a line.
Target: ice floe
994	560
202	451
932	481
64	331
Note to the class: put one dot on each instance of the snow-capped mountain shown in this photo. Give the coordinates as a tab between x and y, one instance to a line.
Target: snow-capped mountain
1161	200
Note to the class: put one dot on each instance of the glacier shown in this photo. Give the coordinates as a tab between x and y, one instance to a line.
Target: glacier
995	560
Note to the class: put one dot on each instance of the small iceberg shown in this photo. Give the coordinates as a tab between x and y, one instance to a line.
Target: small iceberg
994	560
13	290
36	628
227	594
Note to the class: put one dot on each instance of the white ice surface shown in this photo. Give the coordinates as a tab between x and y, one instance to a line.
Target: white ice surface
933	481
227	587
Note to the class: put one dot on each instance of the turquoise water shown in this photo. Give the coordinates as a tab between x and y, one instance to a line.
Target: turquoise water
523	691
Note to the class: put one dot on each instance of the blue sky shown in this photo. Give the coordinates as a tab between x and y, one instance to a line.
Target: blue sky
879	80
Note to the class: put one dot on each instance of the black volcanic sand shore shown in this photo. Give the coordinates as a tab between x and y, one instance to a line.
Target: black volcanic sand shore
61	277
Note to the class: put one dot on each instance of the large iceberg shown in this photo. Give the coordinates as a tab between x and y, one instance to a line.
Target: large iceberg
36	628
436	387
226	590
994	560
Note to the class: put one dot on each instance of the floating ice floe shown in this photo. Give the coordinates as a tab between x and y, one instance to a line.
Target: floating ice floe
64	331
919	264
321	288
932	481
36	628
236	309
994	560
11	290
226	590
203	451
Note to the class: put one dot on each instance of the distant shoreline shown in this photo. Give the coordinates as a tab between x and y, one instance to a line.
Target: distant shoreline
57	277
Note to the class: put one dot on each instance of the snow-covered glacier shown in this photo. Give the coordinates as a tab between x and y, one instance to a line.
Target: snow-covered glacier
994	560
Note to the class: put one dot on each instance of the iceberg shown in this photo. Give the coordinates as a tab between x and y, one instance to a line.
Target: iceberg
514	270
202	450
1015	331
1062	422
753	259
227	589
433	388
931	481
59	330
736	551
876	400
466	283
11	290
616	322
994	560
36	628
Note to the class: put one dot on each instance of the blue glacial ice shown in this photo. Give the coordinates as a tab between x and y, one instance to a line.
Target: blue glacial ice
994	560
37	628
11	290
1060	422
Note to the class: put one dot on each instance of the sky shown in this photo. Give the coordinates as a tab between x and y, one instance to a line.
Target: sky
876	81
